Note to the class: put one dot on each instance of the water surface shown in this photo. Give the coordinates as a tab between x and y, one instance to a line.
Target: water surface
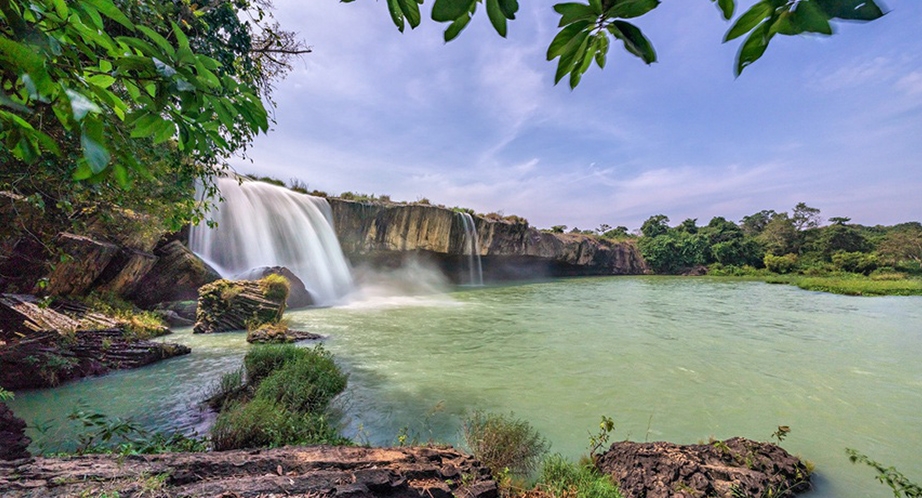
678	359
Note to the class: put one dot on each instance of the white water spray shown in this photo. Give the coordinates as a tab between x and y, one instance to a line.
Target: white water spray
472	247
265	225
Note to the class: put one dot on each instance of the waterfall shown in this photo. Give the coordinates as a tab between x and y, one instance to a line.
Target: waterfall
472	248
265	225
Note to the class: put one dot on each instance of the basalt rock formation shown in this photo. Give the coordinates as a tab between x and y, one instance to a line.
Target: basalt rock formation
43	345
225	305
723	469
316	472
385	234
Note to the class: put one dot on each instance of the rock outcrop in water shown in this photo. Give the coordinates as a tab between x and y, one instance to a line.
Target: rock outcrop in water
316	472
723	469
226	305
384	233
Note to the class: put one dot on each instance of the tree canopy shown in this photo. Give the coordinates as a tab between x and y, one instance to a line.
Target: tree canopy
588	29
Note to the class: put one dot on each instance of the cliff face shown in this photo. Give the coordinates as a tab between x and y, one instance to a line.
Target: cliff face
382	233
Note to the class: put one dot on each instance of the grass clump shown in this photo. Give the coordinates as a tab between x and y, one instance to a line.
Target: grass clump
564	479
505	444
275	287
281	398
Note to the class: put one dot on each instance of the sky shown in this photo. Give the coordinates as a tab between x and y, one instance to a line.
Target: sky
835	122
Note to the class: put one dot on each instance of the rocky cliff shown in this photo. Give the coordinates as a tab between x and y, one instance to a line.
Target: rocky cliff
385	233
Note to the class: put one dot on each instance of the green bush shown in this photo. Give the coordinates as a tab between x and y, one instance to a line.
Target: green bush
564	478
262	360
855	262
263	423
780	264
504	444
306	384
275	287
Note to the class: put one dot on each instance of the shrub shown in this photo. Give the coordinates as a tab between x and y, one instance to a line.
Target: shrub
504	444
780	264
306	384
855	262
563	478
261	360
275	287
263	423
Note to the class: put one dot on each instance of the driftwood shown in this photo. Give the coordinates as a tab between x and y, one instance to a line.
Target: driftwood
317	472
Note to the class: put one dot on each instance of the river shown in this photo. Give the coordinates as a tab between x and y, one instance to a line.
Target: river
677	359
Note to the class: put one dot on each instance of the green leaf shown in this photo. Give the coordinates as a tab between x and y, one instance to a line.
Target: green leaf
450	10
854	10
601	53
753	48
80	106
82	172
626	9
393	7
749	20
411	11
497	19
509	8
564	37
159	40
808	17
101	80
60	8
165	131
121	175
96	155
569	53
572	12
455	28
181	37
726	8
6	101
163	69
108	9
634	40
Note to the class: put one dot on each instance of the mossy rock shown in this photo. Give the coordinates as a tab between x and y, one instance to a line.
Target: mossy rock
226	305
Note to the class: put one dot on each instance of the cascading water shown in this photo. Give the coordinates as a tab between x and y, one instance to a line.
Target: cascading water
265	225
472	247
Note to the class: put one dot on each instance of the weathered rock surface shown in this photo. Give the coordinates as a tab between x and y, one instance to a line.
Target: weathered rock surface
316	472
724	469
176	276
381	232
226	305
42	346
14	443
283	335
298	296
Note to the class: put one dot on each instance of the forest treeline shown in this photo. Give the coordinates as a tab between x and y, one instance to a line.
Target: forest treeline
786	242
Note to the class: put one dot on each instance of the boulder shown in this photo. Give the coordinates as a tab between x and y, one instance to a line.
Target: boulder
226	305
86	260
176	276
270	334
310	471
723	469
14	443
298	296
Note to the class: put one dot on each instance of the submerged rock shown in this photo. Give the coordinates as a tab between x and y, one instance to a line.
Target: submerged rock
724	469
315	471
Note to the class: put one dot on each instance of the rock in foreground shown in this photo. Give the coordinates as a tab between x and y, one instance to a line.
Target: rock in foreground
318	472
725	469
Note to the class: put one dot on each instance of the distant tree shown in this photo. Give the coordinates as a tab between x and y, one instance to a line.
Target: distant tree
689	225
674	251
604	227
753	224
839	220
840	238
739	252
719	229
902	245
780	236
804	217
616	233
655	225
558	229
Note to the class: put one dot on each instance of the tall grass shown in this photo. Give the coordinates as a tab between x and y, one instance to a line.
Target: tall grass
565	479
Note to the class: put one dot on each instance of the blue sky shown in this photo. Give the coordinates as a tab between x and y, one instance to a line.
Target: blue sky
835	122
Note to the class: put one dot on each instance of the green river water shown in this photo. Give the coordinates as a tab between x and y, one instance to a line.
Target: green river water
677	359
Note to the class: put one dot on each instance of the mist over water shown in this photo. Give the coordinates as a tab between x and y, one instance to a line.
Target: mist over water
265	225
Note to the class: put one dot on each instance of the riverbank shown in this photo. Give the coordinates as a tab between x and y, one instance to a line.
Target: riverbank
846	284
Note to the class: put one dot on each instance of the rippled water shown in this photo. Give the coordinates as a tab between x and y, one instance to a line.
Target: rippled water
676	359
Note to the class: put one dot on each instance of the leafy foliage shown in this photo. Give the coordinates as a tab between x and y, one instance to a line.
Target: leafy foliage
901	485
588	29
103	434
